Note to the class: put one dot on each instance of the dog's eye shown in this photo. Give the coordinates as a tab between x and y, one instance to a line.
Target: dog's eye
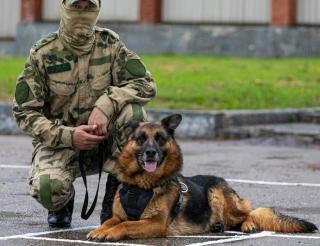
161	140
141	139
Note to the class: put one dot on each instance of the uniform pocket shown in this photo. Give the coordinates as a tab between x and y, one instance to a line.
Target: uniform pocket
62	88
61	79
101	83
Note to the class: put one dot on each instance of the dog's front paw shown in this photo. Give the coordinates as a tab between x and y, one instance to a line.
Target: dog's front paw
98	235
103	234
248	227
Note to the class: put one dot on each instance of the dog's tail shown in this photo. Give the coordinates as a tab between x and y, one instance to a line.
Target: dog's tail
267	219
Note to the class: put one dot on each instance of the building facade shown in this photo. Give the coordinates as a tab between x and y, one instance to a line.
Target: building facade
258	17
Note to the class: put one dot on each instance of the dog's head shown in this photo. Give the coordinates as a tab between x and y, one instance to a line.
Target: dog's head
152	150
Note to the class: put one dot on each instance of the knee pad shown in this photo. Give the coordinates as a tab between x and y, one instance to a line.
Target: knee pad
54	192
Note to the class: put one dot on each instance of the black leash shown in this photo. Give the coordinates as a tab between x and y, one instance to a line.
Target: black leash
84	213
103	150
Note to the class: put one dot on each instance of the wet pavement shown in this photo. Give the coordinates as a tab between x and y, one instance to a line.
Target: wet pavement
275	172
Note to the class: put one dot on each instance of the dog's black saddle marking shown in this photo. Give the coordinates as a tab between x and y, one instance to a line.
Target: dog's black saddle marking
134	200
197	209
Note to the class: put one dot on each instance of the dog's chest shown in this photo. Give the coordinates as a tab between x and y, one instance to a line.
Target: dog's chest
134	200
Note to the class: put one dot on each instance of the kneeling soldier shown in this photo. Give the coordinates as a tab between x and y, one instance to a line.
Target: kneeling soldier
77	84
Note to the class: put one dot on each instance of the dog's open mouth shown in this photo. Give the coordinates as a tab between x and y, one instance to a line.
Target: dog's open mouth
150	166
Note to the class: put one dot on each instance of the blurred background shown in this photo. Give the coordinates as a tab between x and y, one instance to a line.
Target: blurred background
204	54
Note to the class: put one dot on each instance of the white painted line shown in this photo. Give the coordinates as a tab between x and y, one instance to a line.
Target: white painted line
200	236
295	236
271	183
62	230
79	241
236	232
47	232
234	239
15	166
211	236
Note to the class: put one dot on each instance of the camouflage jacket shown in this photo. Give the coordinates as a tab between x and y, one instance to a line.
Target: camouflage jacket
58	90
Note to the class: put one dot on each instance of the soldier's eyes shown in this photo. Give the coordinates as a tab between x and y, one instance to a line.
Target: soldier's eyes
91	7
78	6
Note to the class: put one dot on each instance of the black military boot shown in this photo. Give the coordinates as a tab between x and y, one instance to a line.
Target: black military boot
63	217
111	189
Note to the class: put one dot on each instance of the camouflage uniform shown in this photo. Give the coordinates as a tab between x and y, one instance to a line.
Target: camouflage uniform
58	90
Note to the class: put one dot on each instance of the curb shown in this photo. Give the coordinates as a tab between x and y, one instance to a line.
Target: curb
201	124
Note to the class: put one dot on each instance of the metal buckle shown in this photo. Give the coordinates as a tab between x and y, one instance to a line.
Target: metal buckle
184	188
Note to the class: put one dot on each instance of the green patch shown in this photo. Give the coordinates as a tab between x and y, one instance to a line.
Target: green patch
100	61
124	75
136	67
59	68
23	93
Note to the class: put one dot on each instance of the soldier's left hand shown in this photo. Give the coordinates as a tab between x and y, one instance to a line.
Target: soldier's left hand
100	120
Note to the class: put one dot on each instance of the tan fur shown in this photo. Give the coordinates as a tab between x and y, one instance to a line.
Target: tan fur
265	219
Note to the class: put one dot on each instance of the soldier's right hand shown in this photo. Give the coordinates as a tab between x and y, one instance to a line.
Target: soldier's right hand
83	139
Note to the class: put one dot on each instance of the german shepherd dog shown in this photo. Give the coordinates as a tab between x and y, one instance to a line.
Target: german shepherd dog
155	200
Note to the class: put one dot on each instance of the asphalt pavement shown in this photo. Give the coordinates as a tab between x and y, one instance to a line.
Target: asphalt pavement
275	172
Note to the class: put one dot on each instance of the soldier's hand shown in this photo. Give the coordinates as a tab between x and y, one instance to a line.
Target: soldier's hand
84	140
100	120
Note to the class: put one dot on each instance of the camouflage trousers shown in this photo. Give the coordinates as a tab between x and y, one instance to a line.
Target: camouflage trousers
55	169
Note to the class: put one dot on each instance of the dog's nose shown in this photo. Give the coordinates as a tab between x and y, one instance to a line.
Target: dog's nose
151	153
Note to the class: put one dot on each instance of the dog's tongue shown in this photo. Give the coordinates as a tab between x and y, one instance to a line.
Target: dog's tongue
150	166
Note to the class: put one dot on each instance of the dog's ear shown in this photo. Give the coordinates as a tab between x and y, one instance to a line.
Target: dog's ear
171	122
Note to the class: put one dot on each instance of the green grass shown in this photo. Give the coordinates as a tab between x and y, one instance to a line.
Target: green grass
10	68
203	82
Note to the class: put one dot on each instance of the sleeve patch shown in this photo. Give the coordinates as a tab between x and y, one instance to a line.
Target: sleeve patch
23	93
136	68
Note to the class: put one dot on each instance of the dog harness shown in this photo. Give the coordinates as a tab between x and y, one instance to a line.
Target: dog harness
134	200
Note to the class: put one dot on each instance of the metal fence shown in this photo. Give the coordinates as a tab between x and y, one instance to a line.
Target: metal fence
308	12
180	11
217	11
117	10
9	17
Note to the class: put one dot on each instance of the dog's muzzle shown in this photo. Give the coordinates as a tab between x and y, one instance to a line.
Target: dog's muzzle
150	159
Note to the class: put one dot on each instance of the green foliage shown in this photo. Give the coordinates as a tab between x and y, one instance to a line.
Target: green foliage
203	82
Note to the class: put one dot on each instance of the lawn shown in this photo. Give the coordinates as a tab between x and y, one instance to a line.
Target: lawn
203	82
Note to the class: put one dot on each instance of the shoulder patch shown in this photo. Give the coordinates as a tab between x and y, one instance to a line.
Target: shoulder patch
23	93
109	31
108	35
136	67
44	41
